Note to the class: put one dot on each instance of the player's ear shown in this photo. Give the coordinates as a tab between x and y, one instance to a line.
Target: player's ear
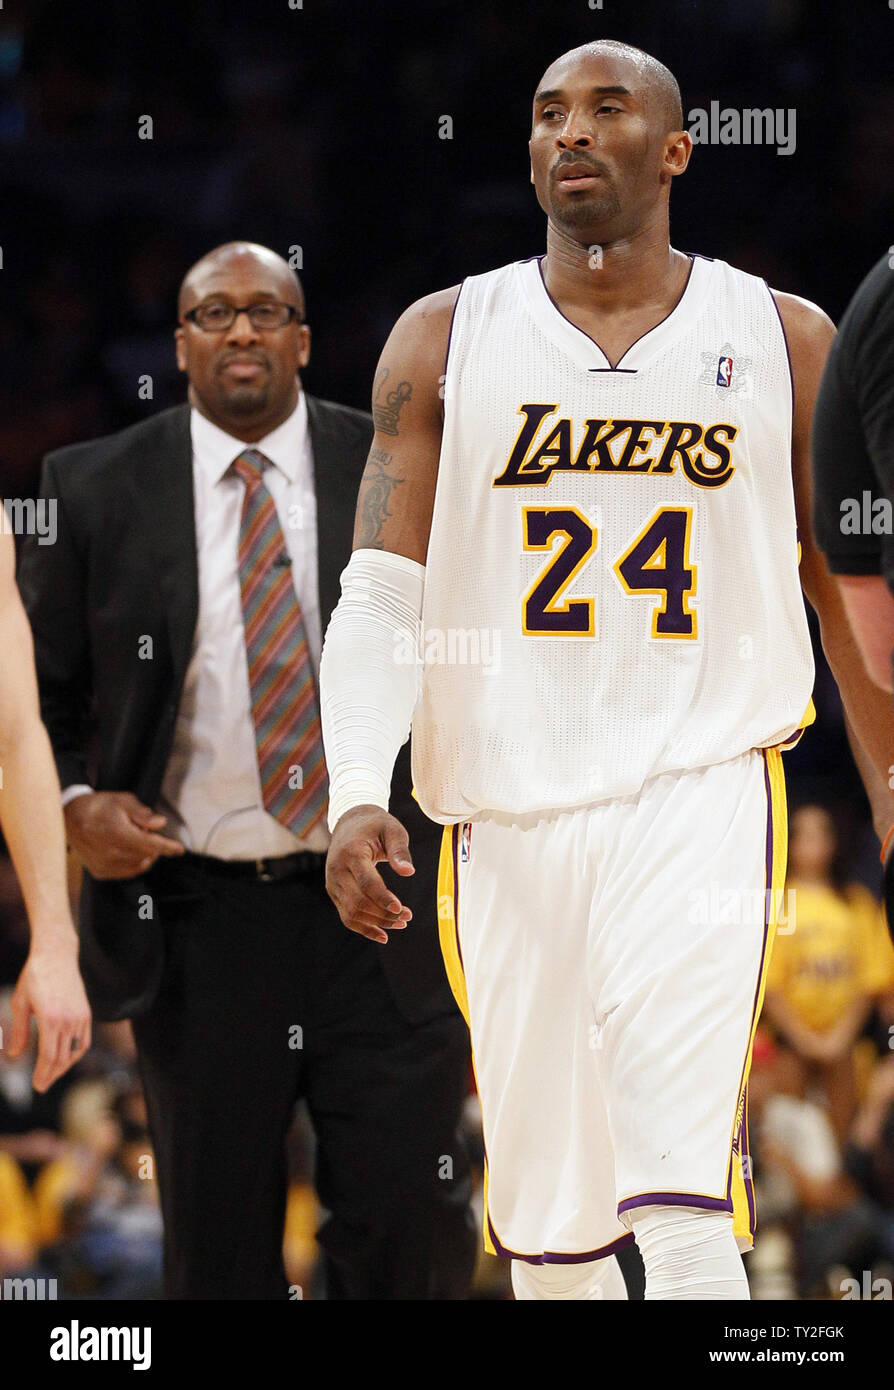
530	162
677	150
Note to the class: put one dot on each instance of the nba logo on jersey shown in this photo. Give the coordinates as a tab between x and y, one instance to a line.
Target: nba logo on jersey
465	842
724	371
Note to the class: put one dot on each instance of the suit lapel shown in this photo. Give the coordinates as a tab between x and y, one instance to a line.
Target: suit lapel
335	504
172	531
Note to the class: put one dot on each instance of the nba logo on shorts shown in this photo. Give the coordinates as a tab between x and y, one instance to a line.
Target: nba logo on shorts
724	371
465	842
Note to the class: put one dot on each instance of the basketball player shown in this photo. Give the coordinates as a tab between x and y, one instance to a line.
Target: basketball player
597	534
50	986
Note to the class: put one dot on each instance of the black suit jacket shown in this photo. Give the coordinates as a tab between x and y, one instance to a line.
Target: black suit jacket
123	569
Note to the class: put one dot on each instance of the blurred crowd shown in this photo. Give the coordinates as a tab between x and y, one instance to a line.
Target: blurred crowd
821	1093
317	133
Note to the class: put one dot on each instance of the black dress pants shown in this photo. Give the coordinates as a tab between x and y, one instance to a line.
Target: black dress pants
267	998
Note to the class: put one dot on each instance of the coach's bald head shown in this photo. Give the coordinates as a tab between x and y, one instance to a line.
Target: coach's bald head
244	378
613	114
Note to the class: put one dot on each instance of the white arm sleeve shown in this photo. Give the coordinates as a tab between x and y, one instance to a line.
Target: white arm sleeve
370	677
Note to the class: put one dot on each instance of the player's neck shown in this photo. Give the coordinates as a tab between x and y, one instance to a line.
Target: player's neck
619	275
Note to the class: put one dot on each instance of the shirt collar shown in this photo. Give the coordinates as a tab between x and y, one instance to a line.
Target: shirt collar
214	449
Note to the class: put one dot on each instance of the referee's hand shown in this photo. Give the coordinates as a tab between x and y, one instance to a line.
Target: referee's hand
364	837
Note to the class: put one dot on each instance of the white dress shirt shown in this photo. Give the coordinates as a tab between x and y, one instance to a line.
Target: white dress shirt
211	792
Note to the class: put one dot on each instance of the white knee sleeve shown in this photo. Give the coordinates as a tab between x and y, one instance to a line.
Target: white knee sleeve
689	1253
601	1279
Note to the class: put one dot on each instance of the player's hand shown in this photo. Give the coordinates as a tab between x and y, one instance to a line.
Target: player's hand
50	987
364	837
115	835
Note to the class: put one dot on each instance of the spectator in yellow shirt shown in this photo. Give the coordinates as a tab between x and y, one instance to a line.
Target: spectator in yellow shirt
17	1244
831	960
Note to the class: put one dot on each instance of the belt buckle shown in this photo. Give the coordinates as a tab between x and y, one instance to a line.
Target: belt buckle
264	873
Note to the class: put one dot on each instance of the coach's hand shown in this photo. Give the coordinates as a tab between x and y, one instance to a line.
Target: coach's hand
115	835
364	837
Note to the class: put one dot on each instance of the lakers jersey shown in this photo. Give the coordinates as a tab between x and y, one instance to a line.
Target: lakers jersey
611	587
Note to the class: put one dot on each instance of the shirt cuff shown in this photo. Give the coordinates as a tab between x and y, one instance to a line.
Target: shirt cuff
76	789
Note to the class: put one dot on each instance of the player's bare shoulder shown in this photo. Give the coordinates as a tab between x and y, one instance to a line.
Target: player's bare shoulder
808	330
397	491
413	358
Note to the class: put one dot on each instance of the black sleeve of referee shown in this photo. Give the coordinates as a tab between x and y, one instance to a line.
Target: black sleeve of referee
853	435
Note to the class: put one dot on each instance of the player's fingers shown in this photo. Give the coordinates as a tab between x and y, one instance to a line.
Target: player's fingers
48	1031
373	887
74	1041
396	843
358	925
21	1016
353	903
375	919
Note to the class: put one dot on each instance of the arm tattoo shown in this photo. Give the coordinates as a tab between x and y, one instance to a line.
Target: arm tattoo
386	414
372	504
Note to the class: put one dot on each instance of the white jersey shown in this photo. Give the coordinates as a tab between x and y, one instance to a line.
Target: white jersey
611	587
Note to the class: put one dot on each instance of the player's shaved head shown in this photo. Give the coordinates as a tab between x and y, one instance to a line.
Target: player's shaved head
655	83
234	258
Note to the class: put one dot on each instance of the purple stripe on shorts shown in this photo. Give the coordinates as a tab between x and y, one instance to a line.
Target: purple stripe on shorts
675	1199
552	1257
455	851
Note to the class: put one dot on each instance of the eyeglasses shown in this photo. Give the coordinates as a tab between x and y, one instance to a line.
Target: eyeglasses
217	316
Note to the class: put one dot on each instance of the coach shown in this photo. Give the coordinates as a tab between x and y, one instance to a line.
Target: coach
178	622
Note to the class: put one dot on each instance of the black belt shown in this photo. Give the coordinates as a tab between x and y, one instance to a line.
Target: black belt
303	864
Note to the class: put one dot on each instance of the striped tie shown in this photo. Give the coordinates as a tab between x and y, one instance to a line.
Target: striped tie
288	736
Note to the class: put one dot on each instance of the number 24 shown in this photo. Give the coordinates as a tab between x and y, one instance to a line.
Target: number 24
656	562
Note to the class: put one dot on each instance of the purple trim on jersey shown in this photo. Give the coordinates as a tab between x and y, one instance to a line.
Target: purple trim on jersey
617	366
455	851
676	1199
450	331
749	1183
791	374
553	1257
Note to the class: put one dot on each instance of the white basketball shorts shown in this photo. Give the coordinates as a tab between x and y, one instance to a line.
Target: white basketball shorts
610	962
